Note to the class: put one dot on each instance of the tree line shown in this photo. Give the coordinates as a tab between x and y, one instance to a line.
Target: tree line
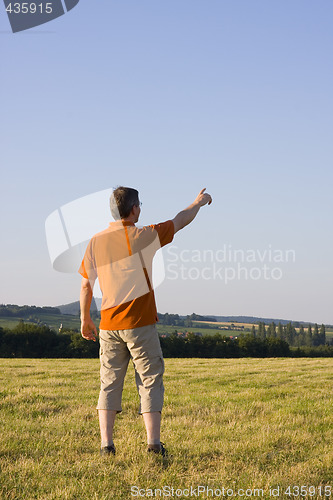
12	310
33	341
312	336
187	321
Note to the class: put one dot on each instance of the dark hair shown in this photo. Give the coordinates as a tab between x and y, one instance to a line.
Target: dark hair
122	200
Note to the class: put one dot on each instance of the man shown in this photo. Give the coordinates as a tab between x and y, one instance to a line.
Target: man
121	258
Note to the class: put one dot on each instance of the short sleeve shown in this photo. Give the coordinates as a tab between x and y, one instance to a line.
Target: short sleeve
165	231
82	270
87	268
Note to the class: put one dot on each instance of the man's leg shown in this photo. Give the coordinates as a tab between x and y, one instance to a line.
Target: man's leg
106	424
145	349
114	358
152	422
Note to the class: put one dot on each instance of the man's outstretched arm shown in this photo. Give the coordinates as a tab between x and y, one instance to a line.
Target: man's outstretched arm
88	328
186	216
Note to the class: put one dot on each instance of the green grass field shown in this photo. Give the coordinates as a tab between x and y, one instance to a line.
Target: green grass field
228	423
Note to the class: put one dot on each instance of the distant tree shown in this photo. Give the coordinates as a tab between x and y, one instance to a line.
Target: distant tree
301	336
188	322
166	319
280	334
271	330
277	347
250	346
315	336
308	336
322	335
80	348
253	331
264	331
261	330
289	333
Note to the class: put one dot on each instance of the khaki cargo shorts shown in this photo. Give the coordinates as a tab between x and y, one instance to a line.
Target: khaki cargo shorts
117	347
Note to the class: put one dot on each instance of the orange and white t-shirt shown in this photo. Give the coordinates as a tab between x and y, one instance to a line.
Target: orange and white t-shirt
121	258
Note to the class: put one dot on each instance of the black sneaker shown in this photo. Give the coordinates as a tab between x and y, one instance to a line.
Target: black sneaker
108	450
159	449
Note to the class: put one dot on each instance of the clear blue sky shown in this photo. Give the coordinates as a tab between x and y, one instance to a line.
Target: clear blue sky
170	97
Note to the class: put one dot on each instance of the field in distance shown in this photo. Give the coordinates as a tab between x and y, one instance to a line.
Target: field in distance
226	323
52	320
73	322
238	424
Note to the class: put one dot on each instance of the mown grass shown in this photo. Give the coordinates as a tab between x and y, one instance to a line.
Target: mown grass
233	423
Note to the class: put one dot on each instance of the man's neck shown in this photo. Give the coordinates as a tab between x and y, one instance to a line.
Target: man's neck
128	220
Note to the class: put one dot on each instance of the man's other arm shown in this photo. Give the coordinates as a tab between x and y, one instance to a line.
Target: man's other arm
186	216
88	328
